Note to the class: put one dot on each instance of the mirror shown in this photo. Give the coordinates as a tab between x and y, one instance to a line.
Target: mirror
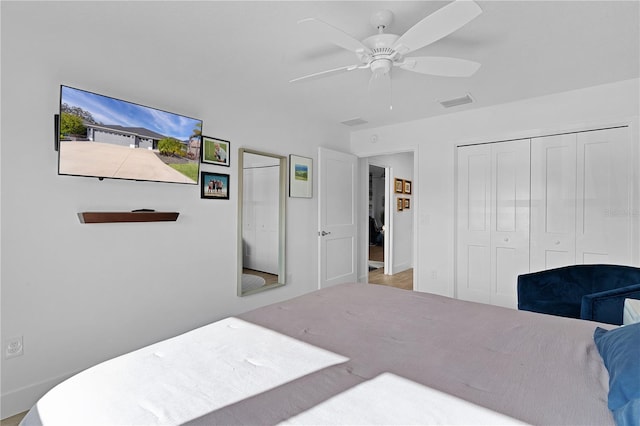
261	221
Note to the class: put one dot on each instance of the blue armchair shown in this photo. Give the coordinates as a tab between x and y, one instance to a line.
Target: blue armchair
592	292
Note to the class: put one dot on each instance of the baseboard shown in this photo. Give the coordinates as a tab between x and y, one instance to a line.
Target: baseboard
19	400
402	267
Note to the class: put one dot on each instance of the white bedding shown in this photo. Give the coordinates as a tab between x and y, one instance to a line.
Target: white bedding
392	400
181	379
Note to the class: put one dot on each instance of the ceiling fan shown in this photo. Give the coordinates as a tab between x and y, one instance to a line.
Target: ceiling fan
383	51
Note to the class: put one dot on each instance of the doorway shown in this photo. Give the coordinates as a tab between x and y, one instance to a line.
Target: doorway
389	229
377	201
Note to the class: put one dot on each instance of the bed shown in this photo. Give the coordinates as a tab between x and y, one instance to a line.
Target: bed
351	354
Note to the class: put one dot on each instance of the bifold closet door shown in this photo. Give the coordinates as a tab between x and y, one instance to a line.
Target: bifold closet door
553	201
473	277
603	209
580	199
493	221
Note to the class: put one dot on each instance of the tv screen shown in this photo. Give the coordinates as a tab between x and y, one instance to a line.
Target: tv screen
105	137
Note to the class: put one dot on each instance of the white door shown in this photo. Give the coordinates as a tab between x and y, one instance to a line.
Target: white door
336	217
603	210
553	201
510	184
473	280
580	199
493	221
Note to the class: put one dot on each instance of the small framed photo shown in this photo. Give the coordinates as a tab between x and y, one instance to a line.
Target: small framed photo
407	186
407	204
399	204
215	151
300	176
214	186
398	186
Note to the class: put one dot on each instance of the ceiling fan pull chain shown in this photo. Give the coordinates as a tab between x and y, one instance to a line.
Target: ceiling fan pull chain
390	92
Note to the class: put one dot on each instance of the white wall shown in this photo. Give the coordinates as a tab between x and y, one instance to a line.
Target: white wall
435	140
80	294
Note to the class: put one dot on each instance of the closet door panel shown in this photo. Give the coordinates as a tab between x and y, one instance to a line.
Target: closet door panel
509	219
553	201
603	225
473	224
493	221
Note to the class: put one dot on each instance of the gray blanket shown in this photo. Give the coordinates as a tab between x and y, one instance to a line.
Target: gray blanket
536	368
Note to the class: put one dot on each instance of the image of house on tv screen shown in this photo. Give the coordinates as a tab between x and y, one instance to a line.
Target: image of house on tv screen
109	138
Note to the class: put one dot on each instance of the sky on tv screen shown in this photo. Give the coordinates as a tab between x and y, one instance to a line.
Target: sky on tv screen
110	111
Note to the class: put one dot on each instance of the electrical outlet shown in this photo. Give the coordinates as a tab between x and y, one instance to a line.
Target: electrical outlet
13	347
434	275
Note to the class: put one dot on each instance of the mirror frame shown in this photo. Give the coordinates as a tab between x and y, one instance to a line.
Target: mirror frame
282	187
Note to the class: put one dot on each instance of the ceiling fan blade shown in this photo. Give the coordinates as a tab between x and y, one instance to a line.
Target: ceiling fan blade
327	73
442	66
334	35
439	24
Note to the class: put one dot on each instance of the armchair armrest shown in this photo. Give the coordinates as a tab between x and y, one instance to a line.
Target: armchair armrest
608	306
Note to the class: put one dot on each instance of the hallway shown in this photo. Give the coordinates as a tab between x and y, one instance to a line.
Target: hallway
403	280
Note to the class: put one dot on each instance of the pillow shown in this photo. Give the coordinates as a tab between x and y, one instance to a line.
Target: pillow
620	351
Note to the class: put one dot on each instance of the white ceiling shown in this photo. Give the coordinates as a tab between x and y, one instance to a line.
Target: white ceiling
248	51
527	49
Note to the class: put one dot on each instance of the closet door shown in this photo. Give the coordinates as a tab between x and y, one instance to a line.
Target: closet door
580	206
473	278
493	221
510	188
603	209
553	201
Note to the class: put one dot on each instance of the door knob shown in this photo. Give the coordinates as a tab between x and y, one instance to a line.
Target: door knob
323	233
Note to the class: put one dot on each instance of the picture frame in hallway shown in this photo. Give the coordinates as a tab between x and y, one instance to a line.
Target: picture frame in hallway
300	177
400	204
407	186
407	204
214	186
215	151
398	186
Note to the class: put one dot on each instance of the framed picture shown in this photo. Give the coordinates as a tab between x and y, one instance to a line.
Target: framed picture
215	151
407	186
407	204
398	186
214	186
300	176
399	204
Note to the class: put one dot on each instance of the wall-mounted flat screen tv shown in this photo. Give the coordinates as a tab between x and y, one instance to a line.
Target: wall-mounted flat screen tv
104	137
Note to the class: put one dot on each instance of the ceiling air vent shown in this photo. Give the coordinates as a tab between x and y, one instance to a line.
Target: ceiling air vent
466	99
354	122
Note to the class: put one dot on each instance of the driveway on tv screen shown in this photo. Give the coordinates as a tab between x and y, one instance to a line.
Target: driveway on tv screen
116	161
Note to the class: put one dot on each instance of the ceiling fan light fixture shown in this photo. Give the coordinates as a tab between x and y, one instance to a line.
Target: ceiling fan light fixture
380	67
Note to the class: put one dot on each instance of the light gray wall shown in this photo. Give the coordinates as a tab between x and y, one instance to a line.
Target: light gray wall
80	294
434	141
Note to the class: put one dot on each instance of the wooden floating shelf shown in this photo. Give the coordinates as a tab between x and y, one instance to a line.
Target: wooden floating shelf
140	216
